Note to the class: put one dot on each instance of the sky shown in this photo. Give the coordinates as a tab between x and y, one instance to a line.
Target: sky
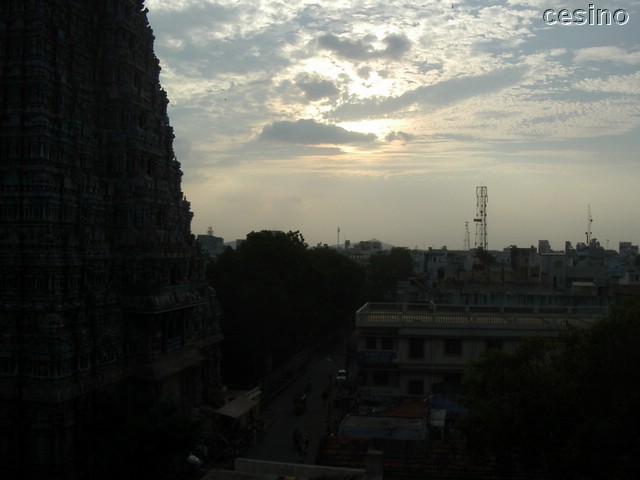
380	118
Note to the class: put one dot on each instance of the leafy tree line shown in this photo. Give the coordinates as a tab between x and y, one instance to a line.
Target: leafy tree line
567	408
278	296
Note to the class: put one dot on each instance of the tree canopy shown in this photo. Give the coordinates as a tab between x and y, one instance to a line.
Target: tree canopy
567	407
385	269
277	297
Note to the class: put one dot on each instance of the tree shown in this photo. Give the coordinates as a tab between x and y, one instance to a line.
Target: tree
278	297
385	269
568	406
514	401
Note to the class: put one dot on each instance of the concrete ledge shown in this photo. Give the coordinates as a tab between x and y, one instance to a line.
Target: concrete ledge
246	465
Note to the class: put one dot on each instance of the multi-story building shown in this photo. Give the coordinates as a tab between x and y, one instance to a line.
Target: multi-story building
403	350
627	249
361	252
211	244
101	281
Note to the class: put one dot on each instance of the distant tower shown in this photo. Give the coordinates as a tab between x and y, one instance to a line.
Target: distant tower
467	242
338	244
589	222
481	217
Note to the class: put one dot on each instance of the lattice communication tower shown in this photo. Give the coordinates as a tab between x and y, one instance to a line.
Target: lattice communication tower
481	217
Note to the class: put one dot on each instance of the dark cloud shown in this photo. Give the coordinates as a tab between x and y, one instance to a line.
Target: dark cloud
437	95
315	87
396	46
310	132
400	136
364	72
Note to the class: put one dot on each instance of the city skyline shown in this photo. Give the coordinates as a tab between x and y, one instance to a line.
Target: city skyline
383	118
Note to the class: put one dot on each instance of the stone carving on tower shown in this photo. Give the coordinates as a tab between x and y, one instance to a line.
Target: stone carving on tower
101	280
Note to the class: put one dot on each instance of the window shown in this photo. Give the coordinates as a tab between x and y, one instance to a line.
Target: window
380	378
371	343
84	361
452	378
415	387
453	346
7	366
386	343
107	354
494	344
416	348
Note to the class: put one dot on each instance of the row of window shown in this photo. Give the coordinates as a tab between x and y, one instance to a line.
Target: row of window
415	386
60	368
9	366
452	346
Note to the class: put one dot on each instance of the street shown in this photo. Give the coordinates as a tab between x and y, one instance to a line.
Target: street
277	443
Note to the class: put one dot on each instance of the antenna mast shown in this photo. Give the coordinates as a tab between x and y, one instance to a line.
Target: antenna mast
589	222
481	217
467	242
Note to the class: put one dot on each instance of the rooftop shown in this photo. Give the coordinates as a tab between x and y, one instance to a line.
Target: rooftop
431	315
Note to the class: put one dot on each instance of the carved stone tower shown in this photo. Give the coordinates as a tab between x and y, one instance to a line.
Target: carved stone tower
101	280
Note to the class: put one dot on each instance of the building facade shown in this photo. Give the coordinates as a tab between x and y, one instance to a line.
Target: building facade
404	350
212	245
101	280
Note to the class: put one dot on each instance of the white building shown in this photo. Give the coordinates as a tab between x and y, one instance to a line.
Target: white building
405	349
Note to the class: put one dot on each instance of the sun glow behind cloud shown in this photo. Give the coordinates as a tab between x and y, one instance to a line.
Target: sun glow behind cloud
303	109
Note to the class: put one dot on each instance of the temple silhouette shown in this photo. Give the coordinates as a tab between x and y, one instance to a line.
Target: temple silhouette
102	282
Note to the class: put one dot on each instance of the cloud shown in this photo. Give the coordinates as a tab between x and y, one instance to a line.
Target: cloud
607	54
395	47
625	84
364	72
315	87
310	132
436	95
393	94
400	136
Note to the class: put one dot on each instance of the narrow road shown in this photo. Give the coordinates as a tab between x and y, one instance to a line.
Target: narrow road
277	443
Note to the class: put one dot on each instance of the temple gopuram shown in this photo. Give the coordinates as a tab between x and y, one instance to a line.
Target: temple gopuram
102	285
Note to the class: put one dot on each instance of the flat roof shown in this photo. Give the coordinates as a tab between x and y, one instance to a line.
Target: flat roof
380	426
237	407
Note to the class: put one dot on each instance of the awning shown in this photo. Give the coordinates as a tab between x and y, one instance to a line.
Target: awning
237	407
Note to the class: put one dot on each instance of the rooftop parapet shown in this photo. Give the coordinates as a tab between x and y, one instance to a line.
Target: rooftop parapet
470	316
